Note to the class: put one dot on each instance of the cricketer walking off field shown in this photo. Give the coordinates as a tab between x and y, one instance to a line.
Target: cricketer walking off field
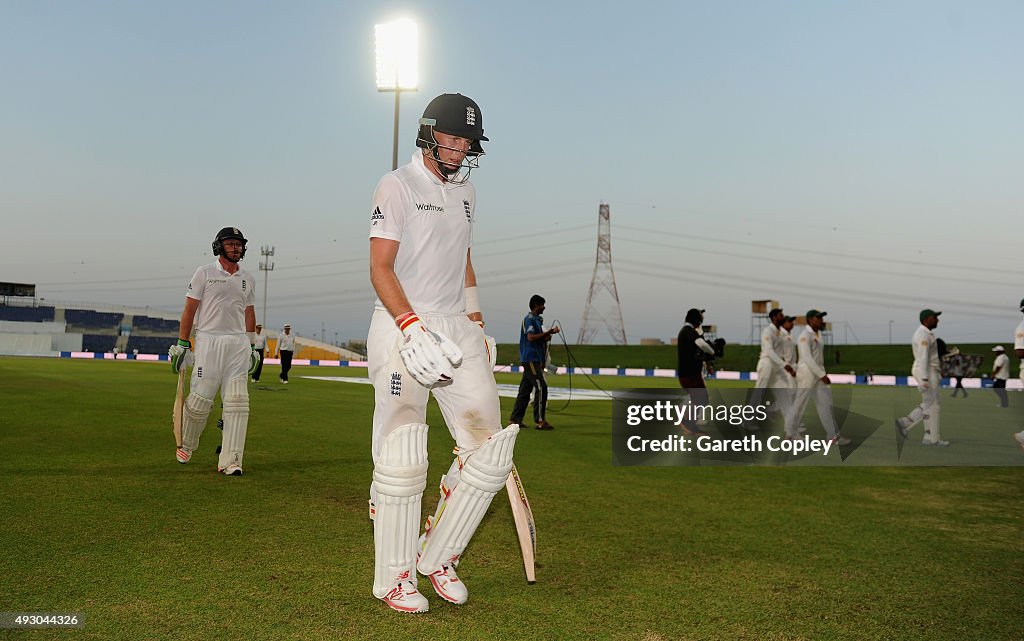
220	306
927	371
426	335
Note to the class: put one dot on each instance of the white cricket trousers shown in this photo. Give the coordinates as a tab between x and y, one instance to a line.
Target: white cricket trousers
469	403
807	385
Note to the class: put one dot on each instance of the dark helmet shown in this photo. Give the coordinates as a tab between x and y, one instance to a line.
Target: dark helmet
695	317
228	233
455	115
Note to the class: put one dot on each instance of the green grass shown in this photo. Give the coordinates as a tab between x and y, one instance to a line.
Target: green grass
99	519
881	359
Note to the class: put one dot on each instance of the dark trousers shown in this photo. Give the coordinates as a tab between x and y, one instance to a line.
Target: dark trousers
259	368
999	387
286	363
532	382
694	385
959	385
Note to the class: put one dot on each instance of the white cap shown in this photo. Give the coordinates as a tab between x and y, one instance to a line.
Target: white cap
287	326
998	348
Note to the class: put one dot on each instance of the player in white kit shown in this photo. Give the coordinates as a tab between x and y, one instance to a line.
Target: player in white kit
220	304
927	372
427	335
1018	349
813	380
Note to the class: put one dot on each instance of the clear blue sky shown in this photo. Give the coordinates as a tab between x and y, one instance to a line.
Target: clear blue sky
863	158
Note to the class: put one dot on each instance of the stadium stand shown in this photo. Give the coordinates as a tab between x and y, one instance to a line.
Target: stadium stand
148	324
150	344
98	342
87	318
26	314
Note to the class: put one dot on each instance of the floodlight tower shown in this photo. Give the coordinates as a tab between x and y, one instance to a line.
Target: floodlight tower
603	280
266	266
397	45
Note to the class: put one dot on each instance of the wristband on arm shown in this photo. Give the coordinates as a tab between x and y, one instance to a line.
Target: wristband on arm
472	300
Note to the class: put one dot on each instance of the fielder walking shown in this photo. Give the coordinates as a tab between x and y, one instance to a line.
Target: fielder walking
773	372
812	379
1001	374
426	335
927	371
220	305
1018	348
533	346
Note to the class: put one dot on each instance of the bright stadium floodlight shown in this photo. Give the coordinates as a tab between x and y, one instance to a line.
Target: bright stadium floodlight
397	46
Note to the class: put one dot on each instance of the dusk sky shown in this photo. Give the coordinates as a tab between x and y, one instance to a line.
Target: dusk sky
862	158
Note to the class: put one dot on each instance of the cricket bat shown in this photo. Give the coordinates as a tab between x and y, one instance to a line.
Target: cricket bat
179	401
525	526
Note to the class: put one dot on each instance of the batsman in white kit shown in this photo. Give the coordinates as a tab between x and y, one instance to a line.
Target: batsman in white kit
220	305
426	335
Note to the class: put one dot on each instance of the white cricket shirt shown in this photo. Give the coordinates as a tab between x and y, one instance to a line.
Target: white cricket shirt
433	222
812	357
926	353
1018	343
788	351
1002	367
772	344
222	298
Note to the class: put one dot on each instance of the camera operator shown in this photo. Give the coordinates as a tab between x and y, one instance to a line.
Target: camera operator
694	353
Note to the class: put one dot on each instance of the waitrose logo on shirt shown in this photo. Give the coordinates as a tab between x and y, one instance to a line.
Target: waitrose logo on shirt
429	207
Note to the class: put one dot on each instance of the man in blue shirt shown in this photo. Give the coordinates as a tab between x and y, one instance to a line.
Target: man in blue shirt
533	343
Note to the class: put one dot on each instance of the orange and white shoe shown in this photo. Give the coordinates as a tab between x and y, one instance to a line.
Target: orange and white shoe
182	455
404	597
448	586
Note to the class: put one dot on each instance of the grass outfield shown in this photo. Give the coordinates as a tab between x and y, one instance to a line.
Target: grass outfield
99	519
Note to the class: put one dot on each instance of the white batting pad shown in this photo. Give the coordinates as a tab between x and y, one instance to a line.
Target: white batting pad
193	419
399	478
458	516
236	422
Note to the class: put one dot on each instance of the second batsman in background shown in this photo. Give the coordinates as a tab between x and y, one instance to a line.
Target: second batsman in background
533	347
220	304
427	335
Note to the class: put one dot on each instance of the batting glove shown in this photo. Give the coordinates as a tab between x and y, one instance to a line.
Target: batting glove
491	346
178	354
430	357
254	360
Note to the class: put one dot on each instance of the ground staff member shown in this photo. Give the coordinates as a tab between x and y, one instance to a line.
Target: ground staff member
426	335
285	349
533	345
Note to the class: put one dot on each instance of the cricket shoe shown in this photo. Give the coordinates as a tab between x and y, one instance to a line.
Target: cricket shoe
901	427
182	455
544	425
841	440
939	442
1019	437
404	597
231	470
448	586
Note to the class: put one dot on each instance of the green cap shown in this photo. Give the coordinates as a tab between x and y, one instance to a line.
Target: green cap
812	313
925	313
